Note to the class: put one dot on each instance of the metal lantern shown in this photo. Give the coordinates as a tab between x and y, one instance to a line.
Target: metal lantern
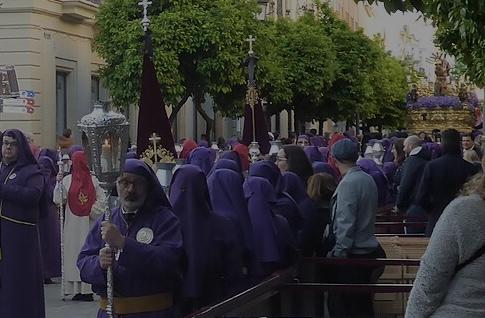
105	141
275	147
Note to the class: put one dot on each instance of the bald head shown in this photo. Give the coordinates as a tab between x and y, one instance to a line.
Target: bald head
411	143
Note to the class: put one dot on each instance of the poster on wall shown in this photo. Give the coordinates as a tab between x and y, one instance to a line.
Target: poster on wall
13	100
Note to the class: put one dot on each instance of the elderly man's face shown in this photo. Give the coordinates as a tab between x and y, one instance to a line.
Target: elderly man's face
10	149
132	191
466	142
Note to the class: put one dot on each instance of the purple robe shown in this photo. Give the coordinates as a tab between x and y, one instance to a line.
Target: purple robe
313	154
227	197
74	148
213	251
201	157
234	156
272	234
318	141
323	167
371	168
285	205
324	152
21	275
142	268
49	227
293	185
226	164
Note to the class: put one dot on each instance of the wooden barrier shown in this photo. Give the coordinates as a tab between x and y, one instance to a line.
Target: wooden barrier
283	292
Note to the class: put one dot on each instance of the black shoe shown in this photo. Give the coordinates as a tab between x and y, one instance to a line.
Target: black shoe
48	281
83	297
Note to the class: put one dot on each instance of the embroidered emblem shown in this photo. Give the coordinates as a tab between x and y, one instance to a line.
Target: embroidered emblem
12	176
144	235
83	199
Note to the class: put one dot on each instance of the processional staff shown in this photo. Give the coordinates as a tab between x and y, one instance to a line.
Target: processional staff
60	208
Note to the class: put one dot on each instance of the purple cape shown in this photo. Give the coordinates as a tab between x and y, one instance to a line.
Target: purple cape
226	164
274	248
285	205
142	268
313	154
234	156
323	167
49	229
372	169
201	157
21	275
293	185
212	249
227	197
324	152
318	141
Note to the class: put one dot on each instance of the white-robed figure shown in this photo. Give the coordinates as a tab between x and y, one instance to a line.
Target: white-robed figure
84	202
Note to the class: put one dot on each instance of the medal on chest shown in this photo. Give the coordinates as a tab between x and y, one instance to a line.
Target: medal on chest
144	235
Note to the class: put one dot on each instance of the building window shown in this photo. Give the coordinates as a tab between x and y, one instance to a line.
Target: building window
61	102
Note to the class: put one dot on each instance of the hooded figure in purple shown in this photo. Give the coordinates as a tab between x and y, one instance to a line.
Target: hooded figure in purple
284	205
232	155
227	197
201	157
21	189
313	154
323	167
226	164
371	168
292	184
212	248
274	243
49	230
148	237
324	152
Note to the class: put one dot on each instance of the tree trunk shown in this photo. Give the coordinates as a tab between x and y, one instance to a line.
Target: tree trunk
320	126
176	108
209	121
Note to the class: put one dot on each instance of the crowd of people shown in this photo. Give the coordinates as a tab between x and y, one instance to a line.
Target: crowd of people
227	223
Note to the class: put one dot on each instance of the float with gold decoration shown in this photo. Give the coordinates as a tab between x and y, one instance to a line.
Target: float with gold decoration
432	108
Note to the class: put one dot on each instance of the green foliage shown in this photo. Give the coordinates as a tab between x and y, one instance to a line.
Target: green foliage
389	87
198	46
304	65
460	29
357	56
316	66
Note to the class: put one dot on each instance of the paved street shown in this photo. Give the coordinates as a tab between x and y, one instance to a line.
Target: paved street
56	308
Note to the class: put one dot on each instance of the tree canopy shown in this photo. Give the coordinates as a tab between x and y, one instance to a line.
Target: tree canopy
460	30
315	65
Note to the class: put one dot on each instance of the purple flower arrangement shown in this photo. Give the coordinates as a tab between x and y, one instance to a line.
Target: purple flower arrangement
443	102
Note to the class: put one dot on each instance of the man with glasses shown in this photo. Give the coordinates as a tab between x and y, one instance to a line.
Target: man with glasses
21	188
146	239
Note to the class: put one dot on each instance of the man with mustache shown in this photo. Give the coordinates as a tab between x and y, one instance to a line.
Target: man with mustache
146	239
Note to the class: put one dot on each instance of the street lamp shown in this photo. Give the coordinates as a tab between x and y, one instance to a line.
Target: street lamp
105	141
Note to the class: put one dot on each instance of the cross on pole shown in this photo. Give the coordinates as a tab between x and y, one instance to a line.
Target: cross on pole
154	138
145	21
251	40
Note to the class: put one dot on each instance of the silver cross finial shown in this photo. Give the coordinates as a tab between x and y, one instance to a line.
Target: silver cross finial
251	40
145	21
